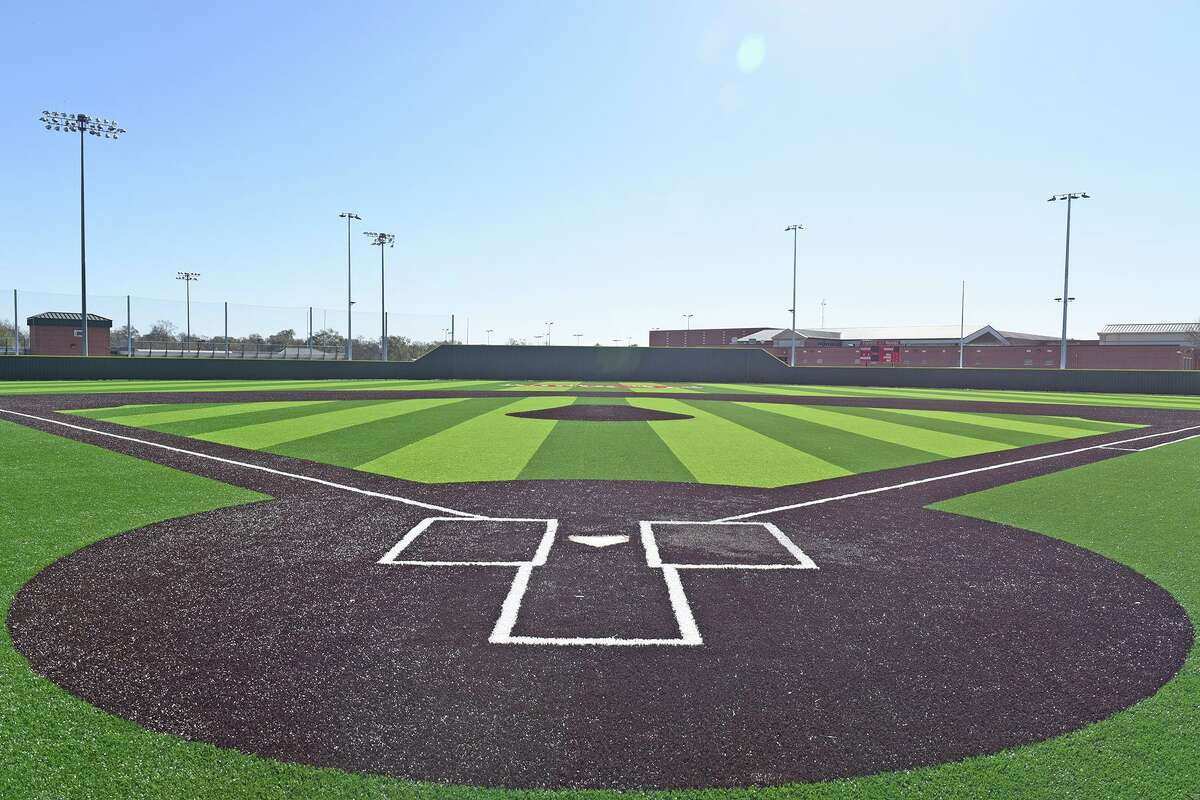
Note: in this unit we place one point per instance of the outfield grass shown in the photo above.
(1139, 509)
(475, 439)
(980, 395)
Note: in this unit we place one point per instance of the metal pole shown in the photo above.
(16, 326)
(795, 236)
(349, 301)
(129, 325)
(310, 332)
(1066, 297)
(226, 329)
(187, 285)
(82, 249)
(383, 308)
(962, 322)
(451, 329)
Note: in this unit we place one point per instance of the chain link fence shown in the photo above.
(143, 327)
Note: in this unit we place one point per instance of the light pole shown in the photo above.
(795, 229)
(578, 339)
(81, 124)
(1066, 298)
(549, 325)
(688, 329)
(187, 278)
(348, 216)
(489, 335)
(382, 241)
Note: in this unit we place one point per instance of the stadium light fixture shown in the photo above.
(101, 128)
(349, 216)
(549, 325)
(188, 278)
(489, 335)
(1062, 347)
(688, 329)
(382, 241)
(795, 229)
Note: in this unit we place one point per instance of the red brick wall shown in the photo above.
(60, 340)
(1079, 356)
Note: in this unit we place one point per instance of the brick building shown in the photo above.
(60, 333)
(1132, 346)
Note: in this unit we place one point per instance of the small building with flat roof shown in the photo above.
(60, 333)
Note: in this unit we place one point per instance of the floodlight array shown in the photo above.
(76, 123)
(381, 239)
(1068, 196)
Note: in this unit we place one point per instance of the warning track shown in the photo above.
(869, 634)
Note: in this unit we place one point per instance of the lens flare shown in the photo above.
(750, 53)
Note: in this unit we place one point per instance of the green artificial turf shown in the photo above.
(475, 439)
(678, 387)
(1140, 509)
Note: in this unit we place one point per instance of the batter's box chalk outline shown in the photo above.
(539, 557)
(654, 559)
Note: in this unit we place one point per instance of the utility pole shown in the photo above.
(81, 124)
(187, 278)
(1066, 298)
(795, 229)
(348, 216)
(382, 241)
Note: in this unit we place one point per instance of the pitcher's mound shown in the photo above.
(600, 413)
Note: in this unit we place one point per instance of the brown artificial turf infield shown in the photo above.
(922, 638)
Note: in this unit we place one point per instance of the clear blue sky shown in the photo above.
(612, 165)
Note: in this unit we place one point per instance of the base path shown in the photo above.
(602, 634)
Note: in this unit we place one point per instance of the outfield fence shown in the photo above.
(145, 327)
(601, 364)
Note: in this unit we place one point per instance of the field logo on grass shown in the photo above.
(526, 544)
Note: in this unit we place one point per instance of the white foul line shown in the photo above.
(906, 484)
(247, 465)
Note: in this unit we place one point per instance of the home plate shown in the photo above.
(600, 540)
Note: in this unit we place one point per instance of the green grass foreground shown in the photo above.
(639, 387)
(1140, 509)
(446, 440)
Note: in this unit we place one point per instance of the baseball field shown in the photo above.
(489, 589)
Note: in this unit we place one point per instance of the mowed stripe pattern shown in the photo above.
(441, 440)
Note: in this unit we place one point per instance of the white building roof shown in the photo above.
(1152, 327)
(920, 333)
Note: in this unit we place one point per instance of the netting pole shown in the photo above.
(129, 326)
(16, 326)
(226, 329)
(310, 352)
(451, 329)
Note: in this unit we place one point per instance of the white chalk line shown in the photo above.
(247, 465)
(510, 609)
(1155, 446)
(961, 473)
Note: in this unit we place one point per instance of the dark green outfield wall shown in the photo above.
(696, 364)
